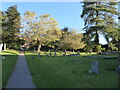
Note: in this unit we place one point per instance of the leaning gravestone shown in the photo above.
(94, 67)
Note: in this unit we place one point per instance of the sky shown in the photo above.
(67, 14)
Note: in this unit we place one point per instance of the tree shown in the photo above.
(27, 27)
(1, 44)
(98, 17)
(11, 26)
(1, 26)
(53, 34)
(71, 40)
(40, 30)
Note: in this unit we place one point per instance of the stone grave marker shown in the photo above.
(49, 50)
(65, 53)
(55, 54)
(50, 54)
(46, 54)
(2, 57)
(94, 67)
(78, 52)
(33, 57)
(118, 69)
(39, 54)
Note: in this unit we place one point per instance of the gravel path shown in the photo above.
(21, 77)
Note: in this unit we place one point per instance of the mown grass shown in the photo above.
(65, 72)
(8, 65)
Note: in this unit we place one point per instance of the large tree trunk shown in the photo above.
(96, 41)
(97, 38)
(39, 47)
(65, 52)
(4, 46)
(1, 46)
(97, 23)
(34, 49)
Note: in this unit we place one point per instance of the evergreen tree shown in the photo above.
(11, 26)
(99, 18)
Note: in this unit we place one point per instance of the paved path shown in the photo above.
(21, 77)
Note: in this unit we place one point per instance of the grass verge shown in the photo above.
(8, 64)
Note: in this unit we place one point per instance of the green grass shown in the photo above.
(65, 72)
(8, 65)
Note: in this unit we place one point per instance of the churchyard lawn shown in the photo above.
(71, 72)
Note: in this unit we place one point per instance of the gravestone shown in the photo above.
(78, 52)
(50, 54)
(55, 54)
(65, 53)
(118, 69)
(33, 57)
(39, 54)
(2, 57)
(94, 67)
(46, 54)
(49, 50)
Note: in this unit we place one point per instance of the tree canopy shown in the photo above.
(11, 26)
(99, 18)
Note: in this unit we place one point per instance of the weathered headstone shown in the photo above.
(2, 57)
(74, 54)
(33, 57)
(50, 54)
(69, 56)
(46, 54)
(49, 50)
(39, 54)
(78, 52)
(55, 54)
(118, 69)
(94, 67)
(65, 53)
